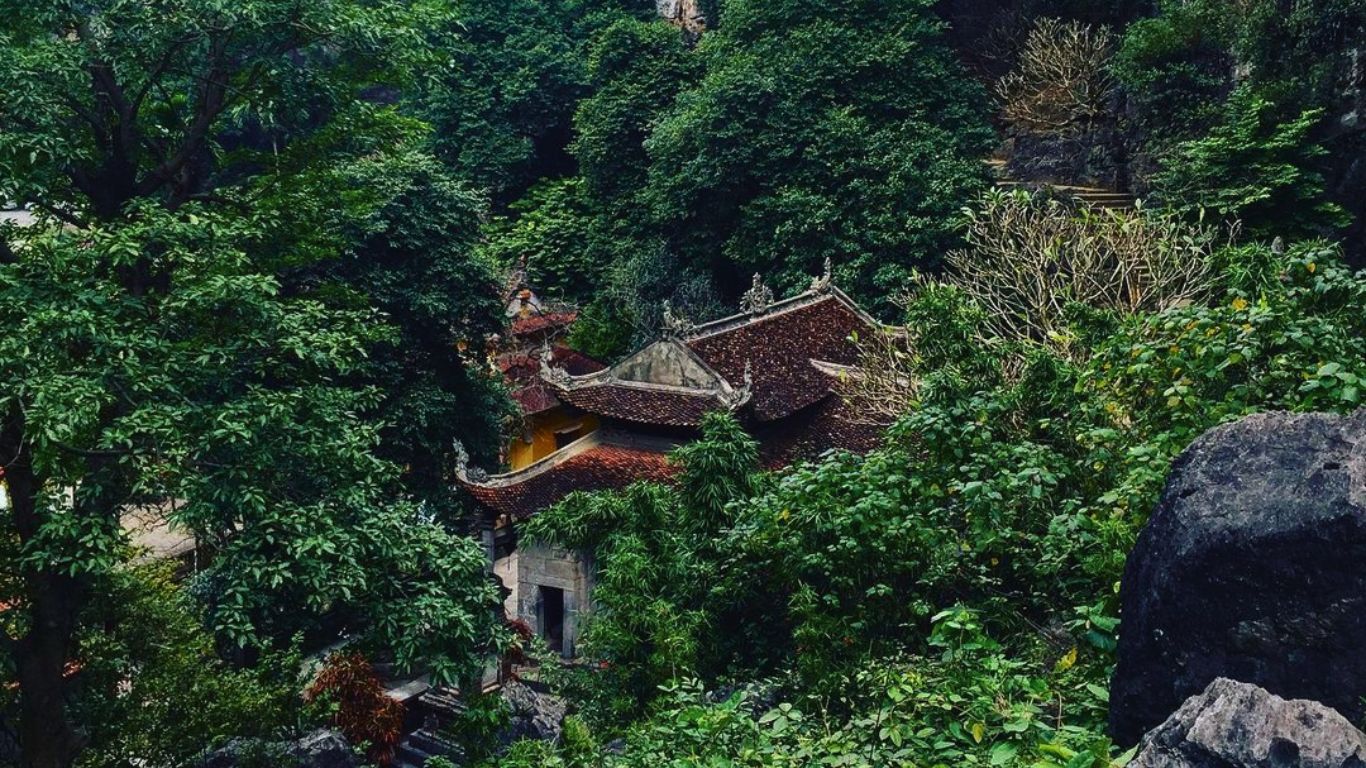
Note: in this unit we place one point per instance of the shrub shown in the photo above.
(1062, 81)
(1029, 258)
(1254, 168)
(348, 685)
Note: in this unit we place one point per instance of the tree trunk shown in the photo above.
(46, 737)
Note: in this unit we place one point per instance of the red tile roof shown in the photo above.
(824, 426)
(779, 348)
(796, 413)
(536, 323)
(643, 405)
(535, 398)
(523, 369)
(599, 467)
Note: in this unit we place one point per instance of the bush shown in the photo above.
(1029, 259)
(152, 687)
(1256, 169)
(348, 686)
(1062, 81)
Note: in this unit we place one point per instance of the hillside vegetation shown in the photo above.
(263, 246)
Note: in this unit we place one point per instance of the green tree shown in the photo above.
(152, 687)
(502, 102)
(846, 130)
(224, 400)
(653, 546)
(154, 357)
(637, 69)
(1251, 112)
(403, 238)
(1254, 170)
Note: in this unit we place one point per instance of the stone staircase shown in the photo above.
(1097, 198)
(438, 705)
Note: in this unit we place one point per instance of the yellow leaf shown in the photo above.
(978, 731)
(1311, 266)
(1068, 659)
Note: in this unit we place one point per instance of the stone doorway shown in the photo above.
(552, 618)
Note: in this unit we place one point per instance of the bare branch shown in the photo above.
(1062, 81)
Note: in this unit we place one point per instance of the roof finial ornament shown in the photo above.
(737, 397)
(822, 284)
(675, 325)
(463, 470)
(549, 371)
(758, 298)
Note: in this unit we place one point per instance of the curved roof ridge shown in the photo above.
(782, 306)
(609, 376)
(550, 461)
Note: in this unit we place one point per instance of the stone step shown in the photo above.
(421, 745)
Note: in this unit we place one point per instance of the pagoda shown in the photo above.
(774, 365)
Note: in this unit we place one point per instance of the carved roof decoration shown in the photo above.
(523, 370)
(758, 298)
(665, 383)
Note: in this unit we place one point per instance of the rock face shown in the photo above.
(1253, 567)
(1236, 725)
(685, 14)
(320, 749)
(535, 715)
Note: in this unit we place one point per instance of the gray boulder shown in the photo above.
(320, 749)
(534, 715)
(1236, 725)
(1252, 567)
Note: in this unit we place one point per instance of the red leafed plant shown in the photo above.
(364, 713)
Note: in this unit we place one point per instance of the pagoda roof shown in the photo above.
(778, 362)
(779, 348)
(595, 462)
(775, 359)
(543, 321)
(664, 406)
(532, 393)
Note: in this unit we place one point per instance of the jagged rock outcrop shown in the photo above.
(534, 715)
(1253, 567)
(687, 15)
(320, 749)
(1236, 725)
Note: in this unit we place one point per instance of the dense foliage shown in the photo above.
(161, 356)
(844, 131)
(269, 247)
(1251, 114)
(951, 597)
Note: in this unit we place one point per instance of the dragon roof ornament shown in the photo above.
(463, 470)
(758, 298)
(676, 325)
(822, 283)
(551, 372)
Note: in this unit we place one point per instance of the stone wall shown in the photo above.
(539, 567)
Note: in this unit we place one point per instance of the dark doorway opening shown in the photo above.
(552, 618)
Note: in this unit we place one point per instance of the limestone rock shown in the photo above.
(1253, 567)
(535, 715)
(685, 14)
(320, 749)
(1236, 725)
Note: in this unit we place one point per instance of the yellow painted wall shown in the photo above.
(541, 430)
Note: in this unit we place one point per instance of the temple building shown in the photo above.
(774, 366)
(535, 331)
